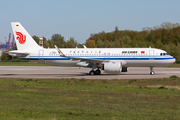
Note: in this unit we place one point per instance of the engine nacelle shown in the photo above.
(112, 67)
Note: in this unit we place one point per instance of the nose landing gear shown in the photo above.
(152, 71)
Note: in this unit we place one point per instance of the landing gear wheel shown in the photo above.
(152, 72)
(91, 72)
(98, 72)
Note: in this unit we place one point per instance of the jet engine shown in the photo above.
(114, 67)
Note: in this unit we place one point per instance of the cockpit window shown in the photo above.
(163, 54)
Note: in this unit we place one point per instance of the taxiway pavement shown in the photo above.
(75, 72)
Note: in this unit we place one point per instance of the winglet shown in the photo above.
(59, 51)
(84, 46)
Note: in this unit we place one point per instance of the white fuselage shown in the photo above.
(130, 57)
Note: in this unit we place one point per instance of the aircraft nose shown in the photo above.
(172, 60)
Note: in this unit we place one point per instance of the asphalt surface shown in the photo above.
(75, 72)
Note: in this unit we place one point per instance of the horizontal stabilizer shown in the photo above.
(18, 53)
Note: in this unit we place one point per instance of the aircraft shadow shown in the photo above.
(69, 75)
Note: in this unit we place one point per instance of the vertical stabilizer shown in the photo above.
(22, 38)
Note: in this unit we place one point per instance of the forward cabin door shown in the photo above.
(151, 54)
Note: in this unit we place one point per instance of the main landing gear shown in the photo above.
(97, 72)
(152, 71)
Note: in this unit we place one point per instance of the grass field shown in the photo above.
(79, 99)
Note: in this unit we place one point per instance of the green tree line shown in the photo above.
(165, 36)
(58, 40)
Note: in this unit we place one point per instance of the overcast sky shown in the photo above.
(80, 18)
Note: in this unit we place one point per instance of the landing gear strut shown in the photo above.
(97, 72)
(152, 71)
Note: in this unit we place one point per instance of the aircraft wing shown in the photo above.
(88, 60)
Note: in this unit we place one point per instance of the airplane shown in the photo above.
(111, 60)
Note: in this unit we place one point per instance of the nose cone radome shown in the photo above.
(171, 61)
(174, 60)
